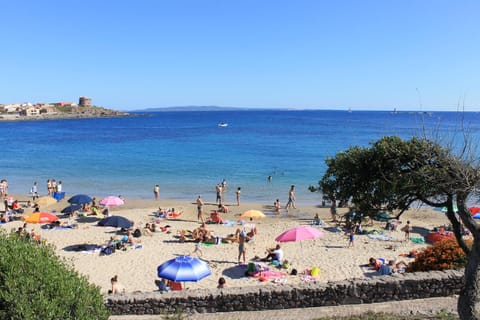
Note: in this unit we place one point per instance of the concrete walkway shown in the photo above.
(423, 307)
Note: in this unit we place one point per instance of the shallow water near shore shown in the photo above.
(187, 153)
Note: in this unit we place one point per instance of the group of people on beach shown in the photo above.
(52, 187)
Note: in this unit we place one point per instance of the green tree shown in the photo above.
(393, 173)
(36, 284)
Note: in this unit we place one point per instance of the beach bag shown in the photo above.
(315, 272)
(107, 251)
(251, 268)
(137, 233)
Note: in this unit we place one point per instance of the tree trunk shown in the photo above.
(469, 301)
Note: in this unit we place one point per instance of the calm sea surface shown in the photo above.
(187, 154)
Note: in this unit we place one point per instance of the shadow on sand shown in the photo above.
(235, 272)
(80, 247)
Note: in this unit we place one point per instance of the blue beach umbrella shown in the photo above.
(184, 268)
(80, 199)
(72, 208)
(115, 221)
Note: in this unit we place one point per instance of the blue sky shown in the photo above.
(126, 55)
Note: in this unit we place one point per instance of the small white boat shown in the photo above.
(223, 124)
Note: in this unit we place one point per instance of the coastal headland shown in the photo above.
(56, 110)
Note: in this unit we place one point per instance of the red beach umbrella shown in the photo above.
(474, 210)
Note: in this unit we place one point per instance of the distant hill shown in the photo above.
(194, 108)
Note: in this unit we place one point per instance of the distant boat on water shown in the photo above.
(223, 124)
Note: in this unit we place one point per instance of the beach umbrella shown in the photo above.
(474, 210)
(184, 268)
(112, 201)
(254, 214)
(80, 199)
(41, 217)
(45, 201)
(115, 221)
(299, 234)
(71, 208)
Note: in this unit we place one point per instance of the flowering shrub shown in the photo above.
(443, 255)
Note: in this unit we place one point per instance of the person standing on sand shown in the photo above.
(407, 229)
(238, 196)
(49, 187)
(34, 191)
(156, 191)
(333, 210)
(218, 190)
(291, 198)
(242, 236)
(200, 209)
(351, 236)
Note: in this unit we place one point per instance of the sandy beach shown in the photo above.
(137, 267)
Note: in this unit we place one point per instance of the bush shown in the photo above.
(443, 255)
(36, 284)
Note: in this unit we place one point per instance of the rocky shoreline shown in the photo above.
(6, 117)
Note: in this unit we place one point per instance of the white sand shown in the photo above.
(137, 269)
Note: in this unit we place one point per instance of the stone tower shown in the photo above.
(85, 102)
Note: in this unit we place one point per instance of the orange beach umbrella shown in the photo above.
(254, 214)
(41, 217)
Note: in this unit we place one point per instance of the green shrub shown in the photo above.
(36, 284)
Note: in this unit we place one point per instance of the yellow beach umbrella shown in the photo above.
(254, 214)
(45, 201)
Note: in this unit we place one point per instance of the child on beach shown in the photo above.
(407, 229)
(117, 288)
(198, 250)
(277, 206)
(351, 236)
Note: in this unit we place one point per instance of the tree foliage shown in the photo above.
(392, 174)
(382, 176)
(36, 284)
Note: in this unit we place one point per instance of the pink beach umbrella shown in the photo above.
(298, 234)
(111, 201)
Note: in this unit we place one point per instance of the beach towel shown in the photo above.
(308, 278)
(268, 274)
(382, 237)
(417, 240)
(229, 223)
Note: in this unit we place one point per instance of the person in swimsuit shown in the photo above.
(241, 246)
(156, 191)
(200, 209)
(238, 195)
(291, 198)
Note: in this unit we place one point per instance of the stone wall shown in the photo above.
(406, 286)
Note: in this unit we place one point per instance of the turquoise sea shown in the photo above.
(187, 153)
